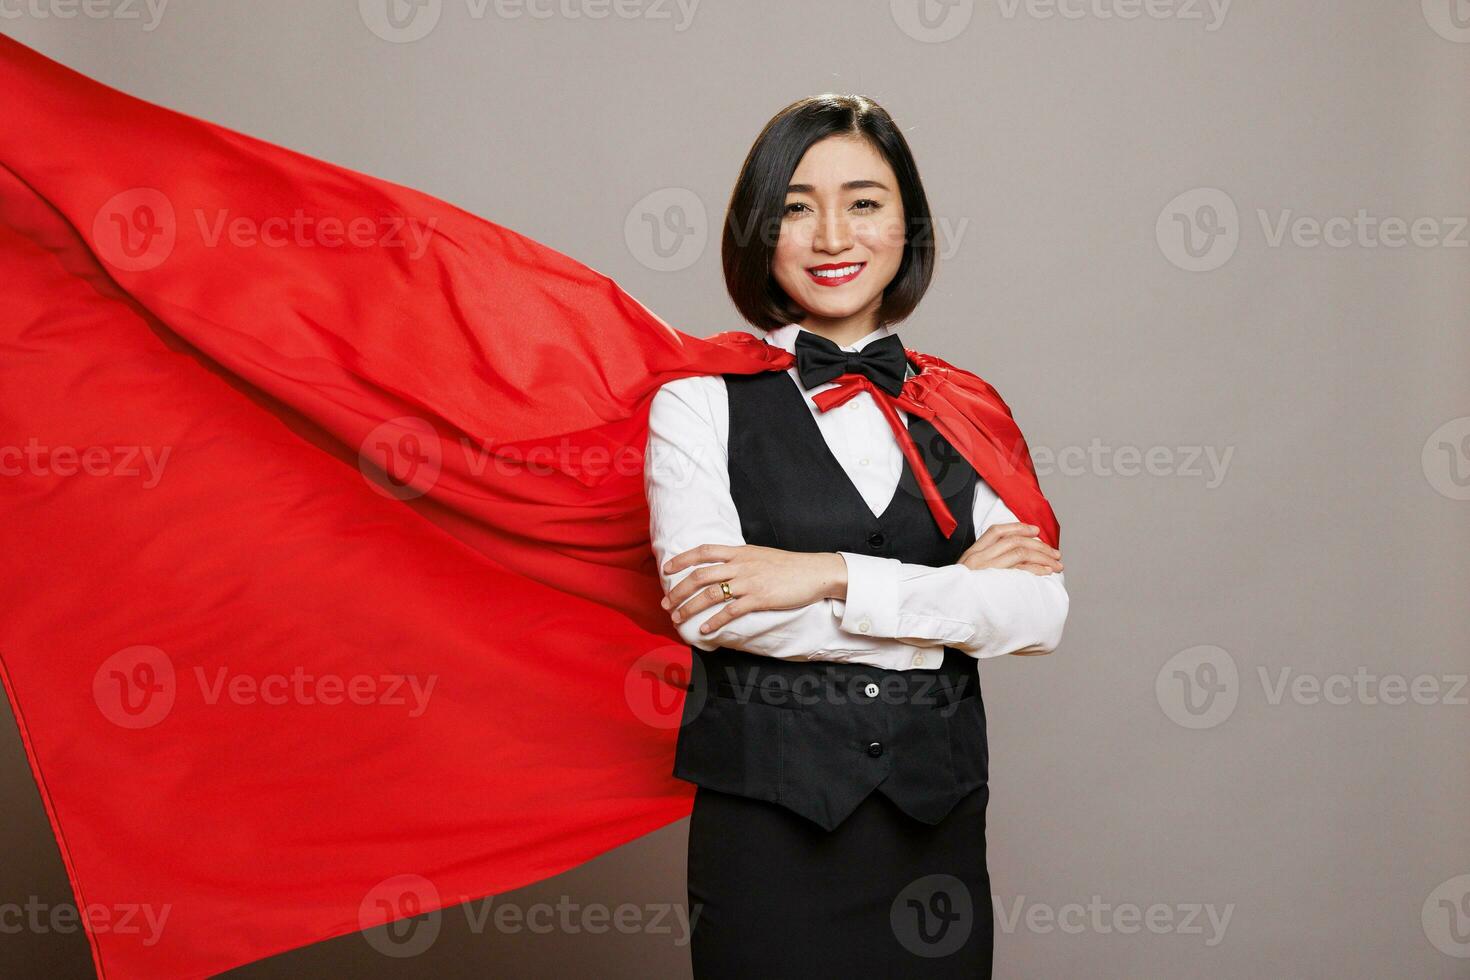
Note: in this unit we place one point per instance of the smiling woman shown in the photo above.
(833, 571)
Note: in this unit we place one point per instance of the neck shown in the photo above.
(842, 331)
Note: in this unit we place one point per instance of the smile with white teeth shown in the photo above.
(846, 270)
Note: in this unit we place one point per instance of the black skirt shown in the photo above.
(774, 895)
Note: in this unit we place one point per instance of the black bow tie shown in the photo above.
(819, 360)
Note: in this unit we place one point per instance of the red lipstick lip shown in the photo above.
(828, 267)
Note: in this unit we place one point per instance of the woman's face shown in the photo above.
(842, 233)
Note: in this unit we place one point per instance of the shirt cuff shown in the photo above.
(871, 606)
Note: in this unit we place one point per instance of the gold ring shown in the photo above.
(725, 588)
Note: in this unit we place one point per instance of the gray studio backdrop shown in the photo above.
(1213, 255)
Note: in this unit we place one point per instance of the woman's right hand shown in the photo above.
(1012, 546)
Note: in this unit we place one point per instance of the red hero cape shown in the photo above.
(327, 595)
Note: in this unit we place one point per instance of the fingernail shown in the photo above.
(664, 602)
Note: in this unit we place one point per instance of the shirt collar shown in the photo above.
(785, 337)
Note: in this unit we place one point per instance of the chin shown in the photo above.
(837, 310)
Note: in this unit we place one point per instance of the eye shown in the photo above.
(791, 208)
(872, 205)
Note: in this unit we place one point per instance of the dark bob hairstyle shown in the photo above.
(753, 219)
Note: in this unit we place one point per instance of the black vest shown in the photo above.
(819, 736)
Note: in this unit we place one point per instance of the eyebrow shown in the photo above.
(851, 185)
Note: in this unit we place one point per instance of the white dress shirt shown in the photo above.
(897, 614)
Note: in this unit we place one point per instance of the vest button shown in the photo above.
(871, 690)
(875, 538)
(875, 749)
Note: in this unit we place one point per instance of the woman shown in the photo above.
(835, 728)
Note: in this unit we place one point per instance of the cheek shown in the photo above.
(789, 262)
(794, 242)
(884, 239)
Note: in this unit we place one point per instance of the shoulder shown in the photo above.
(691, 388)
(693, 399)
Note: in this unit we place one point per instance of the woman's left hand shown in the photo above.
(759, 577)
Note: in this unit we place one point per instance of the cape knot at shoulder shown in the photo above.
(936, 373)
(751, 345)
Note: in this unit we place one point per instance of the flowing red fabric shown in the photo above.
(327, 597)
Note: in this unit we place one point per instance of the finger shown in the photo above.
(1000, 533)
(997, 531)
(693, 582)
(1035, 552)
(719, 571)
(708, 596)
(1013, 558)
(1022, 552)
(732, 610)
(699, 555)
(1038, 544)
(1036, 569)
(1005, 544)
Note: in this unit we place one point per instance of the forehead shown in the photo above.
(830, 162)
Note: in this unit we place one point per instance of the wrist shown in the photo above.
(834, 576)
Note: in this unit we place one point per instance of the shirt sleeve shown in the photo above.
(687, 481)
(985, 612)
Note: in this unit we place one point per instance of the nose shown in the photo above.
(833, 233)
